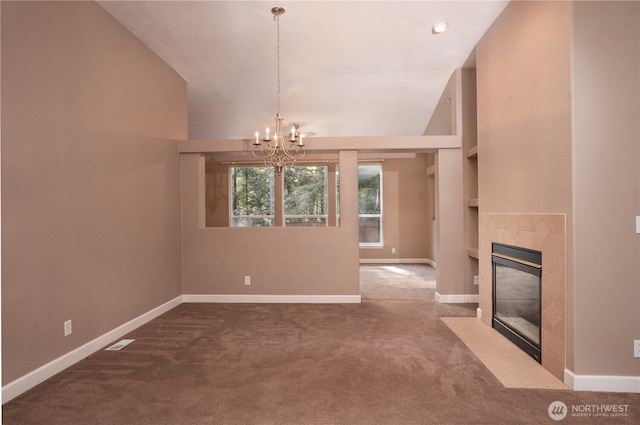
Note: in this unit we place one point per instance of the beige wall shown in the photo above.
(280, 260)
(560, 140)
(469, 176)
(456, 227)
(432, 248)
(524, 135)
(216, 192)
(441, 122)
(450, 230)
(606, 149)
(90, 179)
(405, 210)
(524, 109)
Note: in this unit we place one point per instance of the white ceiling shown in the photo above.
(348, 68)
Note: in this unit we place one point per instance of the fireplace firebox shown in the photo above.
(517, 295)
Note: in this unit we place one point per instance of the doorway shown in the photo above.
(397, 282)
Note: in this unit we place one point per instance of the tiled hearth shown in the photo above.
(541, 232)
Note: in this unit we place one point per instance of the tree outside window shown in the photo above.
(370, 204)
(305, 196)
(252, 197)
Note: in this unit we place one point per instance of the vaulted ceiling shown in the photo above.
(347, 68)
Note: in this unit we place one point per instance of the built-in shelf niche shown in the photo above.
(473, 203)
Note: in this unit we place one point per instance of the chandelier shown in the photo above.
(277, 149)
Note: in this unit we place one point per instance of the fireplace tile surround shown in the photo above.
(541, 232)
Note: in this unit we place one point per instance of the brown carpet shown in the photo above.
(397, 282)
(370, 363)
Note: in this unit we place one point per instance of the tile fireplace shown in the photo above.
(545, 233)
(517, 295)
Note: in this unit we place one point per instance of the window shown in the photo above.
(252, 197)
(305, 196)
(257, 197)
(302, 195)
(370, 204)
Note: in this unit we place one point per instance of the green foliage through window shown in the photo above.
(370, 204)
(252, 203)
(305, 195)
(369, 199)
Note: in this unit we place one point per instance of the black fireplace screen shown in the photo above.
(517, 278)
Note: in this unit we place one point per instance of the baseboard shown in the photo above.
(278, 299)
(397, 261)
(615, 384)
(33, 378)
(457, 298)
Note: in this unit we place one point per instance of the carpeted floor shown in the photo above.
(397, 282)
(378, 362)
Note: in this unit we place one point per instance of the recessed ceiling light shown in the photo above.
(439, 28)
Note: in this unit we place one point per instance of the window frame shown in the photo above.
(272, 196)
(364, 245)
(380, 215)
(278, 196)
(285, 216)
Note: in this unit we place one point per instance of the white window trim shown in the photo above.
(376, 245)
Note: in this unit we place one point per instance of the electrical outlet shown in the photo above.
(247, 280)
(67, 328)
(476, 280)
(393, 250)
(636, 348)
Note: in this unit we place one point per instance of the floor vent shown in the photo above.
(120, 345)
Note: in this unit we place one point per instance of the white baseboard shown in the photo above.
(616, 384)
(397, 261)
(33, 378)
(281, 299)
(457, 298)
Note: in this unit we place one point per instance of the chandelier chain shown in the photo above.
(278, 149)
(278, 56)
